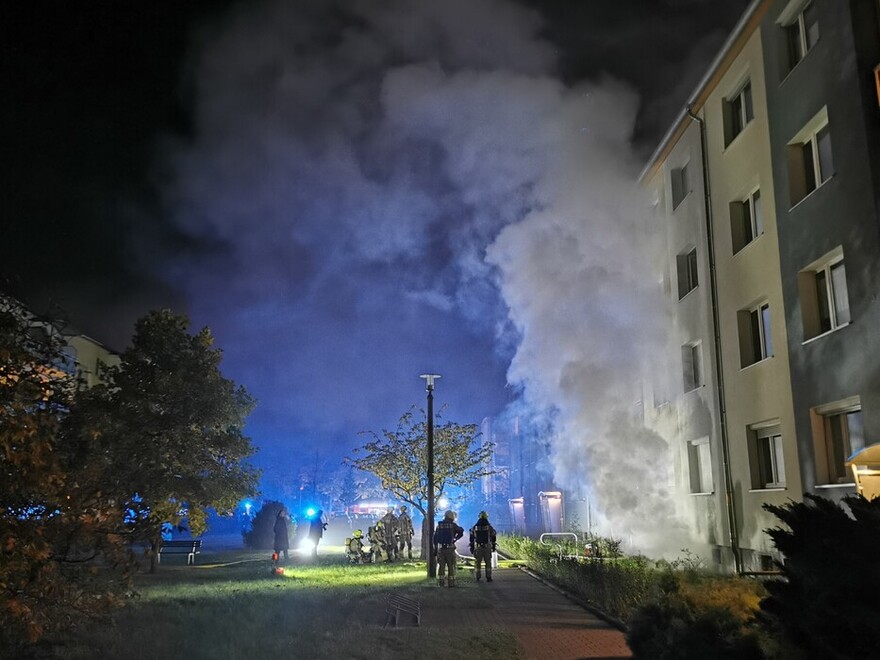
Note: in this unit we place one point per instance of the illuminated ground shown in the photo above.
(232, 605)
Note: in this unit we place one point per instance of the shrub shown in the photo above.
(698, 616)
(261, 535)
(616, 586)
(826, 602)
(673, 609)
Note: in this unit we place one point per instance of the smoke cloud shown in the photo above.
(395, 186)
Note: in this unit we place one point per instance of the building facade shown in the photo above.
(766, 194)
(821, 59)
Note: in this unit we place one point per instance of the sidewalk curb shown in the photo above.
(592, 609)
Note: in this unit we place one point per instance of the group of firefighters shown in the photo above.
(392, 534)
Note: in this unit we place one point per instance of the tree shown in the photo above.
(826, 601)
(169, 429)
(60, 556)
(261, 535)
(399, 458)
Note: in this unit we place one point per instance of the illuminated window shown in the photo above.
(755, 335)
(746, 220)
(737, 112)
(801, 27)
(766, 456)
(810, 163)
(839, 432)
(686, 265)
(700, 466)
(692, 366)
(680, 185)
(823, 295)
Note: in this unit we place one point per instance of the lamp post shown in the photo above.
(432, 560)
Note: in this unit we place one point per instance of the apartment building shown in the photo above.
(89, 358)
(769, 213)
(83, 357)
(821, 62)
(681, 402)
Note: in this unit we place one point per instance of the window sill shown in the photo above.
(848, 484)
(811, 193)
(706, 494)
(798, 63)
(748, 245)
(769, 489)
(681, 201)
(749, 366)
(825, 334)
(733, 140)
(689, 293)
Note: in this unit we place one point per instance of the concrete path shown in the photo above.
(547, 624)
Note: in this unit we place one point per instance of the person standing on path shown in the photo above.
(405, 526)
(316, 531)
(482, 544)
(282, 540)
(445, 536)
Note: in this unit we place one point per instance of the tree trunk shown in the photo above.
(425, 538)
(155, 545)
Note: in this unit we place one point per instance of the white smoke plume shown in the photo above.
(372, 188)
(580, 279)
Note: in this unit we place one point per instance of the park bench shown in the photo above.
(191, 548)
(395, 604)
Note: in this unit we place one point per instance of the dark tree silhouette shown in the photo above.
(826, 603)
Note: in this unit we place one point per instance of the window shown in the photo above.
(801, 28)
(746, 220)
(692, 366)
(700, 466)
(737, 112)
(755, 336)
(840, 432)
(766, 457)
(823, 295)
(809, 158)
(680, 185)
(686, 265)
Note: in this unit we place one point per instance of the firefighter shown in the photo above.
(389, 522)
(354, 548)
(482, 544)
(376, 537)
(405, 527)
(445, 536)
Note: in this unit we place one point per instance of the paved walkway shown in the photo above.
(547, 624)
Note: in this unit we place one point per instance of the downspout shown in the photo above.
(716, 330)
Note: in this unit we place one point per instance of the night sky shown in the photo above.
(350, 193)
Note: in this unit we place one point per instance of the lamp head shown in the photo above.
(430, 378)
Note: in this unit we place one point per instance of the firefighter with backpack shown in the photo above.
(482, 545)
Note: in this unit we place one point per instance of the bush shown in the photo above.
(673, 609)
(698, 616)
(615, 585)
(261, 535)
(826, 602)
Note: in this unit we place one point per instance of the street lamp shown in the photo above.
(429, 386)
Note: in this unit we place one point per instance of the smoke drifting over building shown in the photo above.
(424, 167)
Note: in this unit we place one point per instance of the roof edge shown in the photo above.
(697, 98)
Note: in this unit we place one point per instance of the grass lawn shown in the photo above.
(232, 606)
